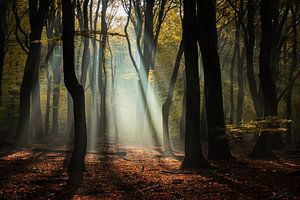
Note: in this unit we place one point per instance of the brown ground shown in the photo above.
(129, 172)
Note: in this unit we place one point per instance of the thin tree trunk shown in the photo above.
(240, 103)
(249, 45)
(290, 78)
(166, 105)
(76, 90)
(56, 90)
(240, 63)
(86, 45)
(233, 60)
(102, 79)
(47, 117)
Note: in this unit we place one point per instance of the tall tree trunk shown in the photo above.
(240, 65)
(277, 141)
(86, 45)
(166, 105)
(102, 79)
(240, 103)
(254, 87)
(263, 146)
(47, 117)
(37, 15)
(233, 61)
(290, 78)
(76, 90)
(193, 149)
(148, 36)
(56, 68)
(207, 38)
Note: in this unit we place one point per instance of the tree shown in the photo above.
(76, 90)
(166, 105)
(149, 38)
(291, 76)
(102, 85)
(263, 146)
(37, 15)
(207, 38)
(86, 44)
(240, 64)
(254, 86)
(193, 149)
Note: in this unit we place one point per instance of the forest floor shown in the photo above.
(132, 172)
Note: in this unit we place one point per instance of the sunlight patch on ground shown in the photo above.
(21, 155)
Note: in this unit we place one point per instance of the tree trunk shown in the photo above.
(249, 45)
(76, 90)
(263, 146)
(234, 55)
(37, 15)
(47, 118)
(25, 91)
(56, 89)
(193, 149)
(290, 78)
(86, 45)
(207, 38)
(240, 65)
(102, 79)
(240, 103)
(166, 105)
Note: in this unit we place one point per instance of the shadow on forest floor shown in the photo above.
(130, 172)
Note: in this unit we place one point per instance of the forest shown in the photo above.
(144, 99)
